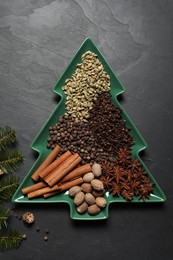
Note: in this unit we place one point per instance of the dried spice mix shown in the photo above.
(93, 128)
(99, 138)
(82, 88)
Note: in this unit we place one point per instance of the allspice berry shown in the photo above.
(45, 238)
(37, 229)
(24, 236)
(47, 231)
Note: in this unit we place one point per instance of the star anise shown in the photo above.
(126, 178)
(134, 165)
(139, 174)
(145, 190)
(119, 174)
(123, 156)
(127, 195)
(107, 181)
(126, 185)
(135, 185)
(129, 175)
(107, 168)
(115, 189)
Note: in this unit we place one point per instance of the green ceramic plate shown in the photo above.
(39, 143)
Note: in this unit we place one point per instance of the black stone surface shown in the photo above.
(37, 41)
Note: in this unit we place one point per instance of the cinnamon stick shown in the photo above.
(63, 187)
(69, 184)
(46, 162)
(81, 170)
(51, 194)
(45, 172)
(56, 187)
(34, 187)
(42, 191)
(63, 169)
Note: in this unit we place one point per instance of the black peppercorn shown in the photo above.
(37, 229)
(24, 236)
(47, 231)
(45, 238)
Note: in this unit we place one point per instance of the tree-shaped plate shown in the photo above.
(40, 141)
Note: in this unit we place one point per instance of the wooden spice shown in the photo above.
(64, 187)
(54, 164)
(34, 187)
(81, 170)
(40, 192)
(46, 162)
(64, 168)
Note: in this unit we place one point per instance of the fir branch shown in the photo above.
(7, 136)
(10, 240)
(8, 185)
(4, 215)
(10, 160)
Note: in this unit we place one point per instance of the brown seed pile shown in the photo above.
(82, 88)
(73, 136)
(107, 125)
(97, 140)
(89, 196)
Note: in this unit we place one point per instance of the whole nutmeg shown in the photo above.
(97, 193)
(101, 202)
(88, 177)
(90, 199)
(96, 169)
(86, 187)
(93, 209)
(82, 208)
(28, 218)
(97, 185)
(79, 198)
(74, 190)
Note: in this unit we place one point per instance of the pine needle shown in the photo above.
(4, 215)
(7, 136)
(10, 240)
(10, 160)
(8, 185)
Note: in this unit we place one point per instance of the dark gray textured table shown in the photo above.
(37, 41)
